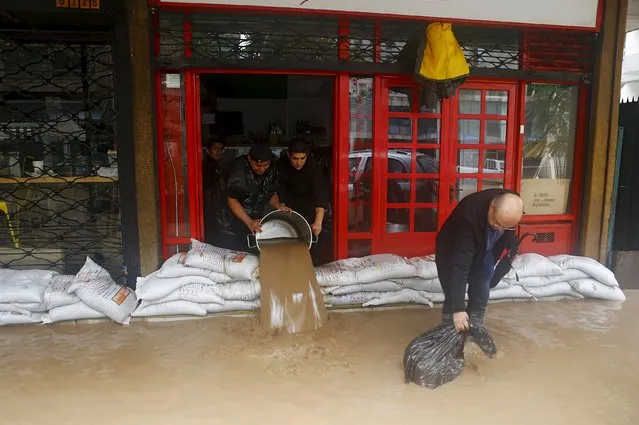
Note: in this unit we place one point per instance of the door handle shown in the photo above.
(451, 196)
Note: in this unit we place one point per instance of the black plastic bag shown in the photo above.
(437, 356)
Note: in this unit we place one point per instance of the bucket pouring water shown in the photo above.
(279, 226)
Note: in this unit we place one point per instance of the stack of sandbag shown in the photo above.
(206, 279)
(22, 295)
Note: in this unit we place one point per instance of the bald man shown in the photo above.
(470, 243)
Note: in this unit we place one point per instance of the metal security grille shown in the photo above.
(59, 197)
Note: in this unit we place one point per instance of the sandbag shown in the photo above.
(587, 265)
(337, 273)
(425, 266)
(22, 308)
(592, 288)
(403, 296)
(383, 286)
(77, 311)
(56, 293)
(196, 293)
(13, 318)
(238, 291)
(233, 306)
(173, 308)
(241, 266)
(357, 298)
(420, 284)
(205, 256)
(529, 265)
(24, 286)
(175, 267)
(437, 356)
(153, 288)
(383, 267)
(560, 289)
(97, 289)
(565, 276)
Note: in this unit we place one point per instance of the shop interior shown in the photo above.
(246, 109)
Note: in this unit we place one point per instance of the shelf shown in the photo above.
(57, 180)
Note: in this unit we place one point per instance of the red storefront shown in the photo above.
(397, 161)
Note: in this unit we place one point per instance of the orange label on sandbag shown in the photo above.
(239, 257)
(121, 296)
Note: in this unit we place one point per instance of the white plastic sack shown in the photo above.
(241, 266)
(22, 308)
(403, 296)
(173, 308)
(175, 267)
(434, 297)
(420, 284)
(337, 273)
(24, 286)
(383, 267)
(587, 265)
(153, 288)
(561, 289)
(77, 311)
(533, 265)
(357, 298)
(95, 287)
(565, 276)
(196, 293)
(238, 291)
(426, 267)
(7, 318)
(383, 286)
(233, 306)
(592, 288)
(56, 294)
(205, 256)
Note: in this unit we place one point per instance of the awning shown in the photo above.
(630, 92)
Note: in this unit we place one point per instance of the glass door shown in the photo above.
(483, 135)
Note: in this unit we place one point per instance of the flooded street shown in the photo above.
(565, 362)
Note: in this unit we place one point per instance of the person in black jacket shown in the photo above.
(469, 244)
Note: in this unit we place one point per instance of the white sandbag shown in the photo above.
(97, 289)
(153, 288)
(9, 318)
(233, 306)
(196, 293)
(420, 284)
(529, 265)
(239, 291)
(22, 308)
(587, 265)
(77, 311)
(403, 296)
(175, 267)
(205, 256)
(383, 286)
(56, 293)
(24, 286)
(434, 297)
(592, 288)
(426, 267)
(241, 266)
(383, 267)
(565, 276)
(173, 308)
(561, 289)
(337, 273)
(357, 298)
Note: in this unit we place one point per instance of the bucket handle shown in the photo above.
(314, 238)
(248, 241)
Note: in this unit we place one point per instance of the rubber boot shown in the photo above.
(477, 317)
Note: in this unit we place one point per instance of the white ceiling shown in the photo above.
(632, 22)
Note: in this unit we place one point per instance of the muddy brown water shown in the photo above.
(564, 362)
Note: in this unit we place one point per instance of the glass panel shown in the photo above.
(428, 103)
(360, 154)
(428, 130)
(397, 220)
(468, 161)
(399, 130)
(469, 131)
(549, 148)
(175, 249)
(497, 102)
(495, 132)
(398, 191)
(426, 190)
(400, 99)
(494, 161)
(465, 187)
(399, 162)
(470, 101)
(175, 156)
(359, 248)
(428, 161)
(492, 183)
(426, 220)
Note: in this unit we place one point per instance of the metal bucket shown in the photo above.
(278, 226)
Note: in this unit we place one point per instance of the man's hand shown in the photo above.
(316, 228)
(460, 320)
(255, 227)
(284, 208)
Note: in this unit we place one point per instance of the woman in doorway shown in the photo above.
(303, 188)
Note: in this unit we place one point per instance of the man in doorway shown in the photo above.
(252, 192)
(470, 243)
(216, 213)
(303, 188)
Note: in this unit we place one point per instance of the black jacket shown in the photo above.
(461, 246)
(251, 190)
(302, 190)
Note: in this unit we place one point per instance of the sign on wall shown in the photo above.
(567, 13)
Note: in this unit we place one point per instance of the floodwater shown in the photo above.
(564, 362)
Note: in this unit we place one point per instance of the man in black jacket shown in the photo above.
(470, 243)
